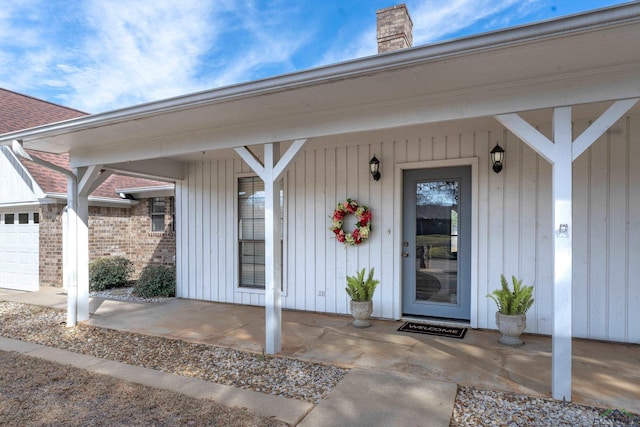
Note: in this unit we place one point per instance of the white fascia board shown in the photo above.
(93, 201)
(161, 169)
(10, 206)
(562, 27)
(146, 192)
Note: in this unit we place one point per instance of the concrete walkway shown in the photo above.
(396, 379)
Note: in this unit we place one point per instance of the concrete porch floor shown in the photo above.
(604, 374)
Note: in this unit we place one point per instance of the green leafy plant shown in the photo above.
(360, 289)
(516, 301)
(109, 272)
(156, 281)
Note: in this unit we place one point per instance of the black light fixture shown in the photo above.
(374, 168)
(497, 158)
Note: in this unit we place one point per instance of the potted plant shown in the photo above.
(513, 304)
(360, 290)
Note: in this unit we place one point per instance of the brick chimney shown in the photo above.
(395, 29)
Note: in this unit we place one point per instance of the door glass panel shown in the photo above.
(437, 241)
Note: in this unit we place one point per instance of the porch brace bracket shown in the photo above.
(271, 171)
(561, 152)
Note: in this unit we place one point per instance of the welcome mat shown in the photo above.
(425, 328)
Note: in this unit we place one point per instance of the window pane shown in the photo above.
(157, 223)
(157, 208)
(8, 218)
(157, 205)
(252, 265)
(23, 218)
(251, 231)
(36, 218)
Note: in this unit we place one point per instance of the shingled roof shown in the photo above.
(18, 111)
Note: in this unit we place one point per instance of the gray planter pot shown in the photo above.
(511, 327)
(361, 312)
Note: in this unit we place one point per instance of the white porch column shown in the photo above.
(560, 153)
(82, 256)
(69, 248)
(89, 178)
(273, 254)
(271, 172)
(562, 245)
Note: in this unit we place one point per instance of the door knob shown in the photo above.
(404, 254)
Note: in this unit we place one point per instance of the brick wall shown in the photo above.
(112, 231)
(50, 256)
(148, 247)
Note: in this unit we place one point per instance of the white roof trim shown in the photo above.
(154, 191)
(93, 201)
(6, 206)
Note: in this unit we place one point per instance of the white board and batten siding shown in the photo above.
(514, 230)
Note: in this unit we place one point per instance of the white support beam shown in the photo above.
(288, 157)
(562, 183)
(271, 172)
(161, 169)
(69, 248)
(561, 153)
(252, 160)
(91, 179)
(273, 257)
(601, 125)
(527, 133)
(82, 247)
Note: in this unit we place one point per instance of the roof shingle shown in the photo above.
(19, 111)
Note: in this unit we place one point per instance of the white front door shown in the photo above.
(19, 250)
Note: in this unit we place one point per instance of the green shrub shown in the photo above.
(110, 272)
(156, 281)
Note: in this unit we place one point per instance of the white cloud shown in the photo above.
(269, 37)
(98, 55)
(433, 20)
(121, 52)
(351, 47)
(138, 51)
(436, 19)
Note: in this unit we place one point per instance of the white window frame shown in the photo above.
(153, 214)
(236, 237)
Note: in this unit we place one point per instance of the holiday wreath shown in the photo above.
(363, 226)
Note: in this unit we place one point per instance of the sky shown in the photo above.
(102, 55)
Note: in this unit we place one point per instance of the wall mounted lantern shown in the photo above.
(374, 168)
(497, 158)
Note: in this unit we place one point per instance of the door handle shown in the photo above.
(404, 254)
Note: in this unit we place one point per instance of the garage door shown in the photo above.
(19, 250)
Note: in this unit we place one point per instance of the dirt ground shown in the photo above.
(35, 392)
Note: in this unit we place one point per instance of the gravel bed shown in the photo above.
(478, 407)
(279, 376)
(125, 294)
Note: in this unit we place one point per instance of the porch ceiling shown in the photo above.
(581, 59)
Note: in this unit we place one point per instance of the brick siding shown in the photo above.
(112, 231)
